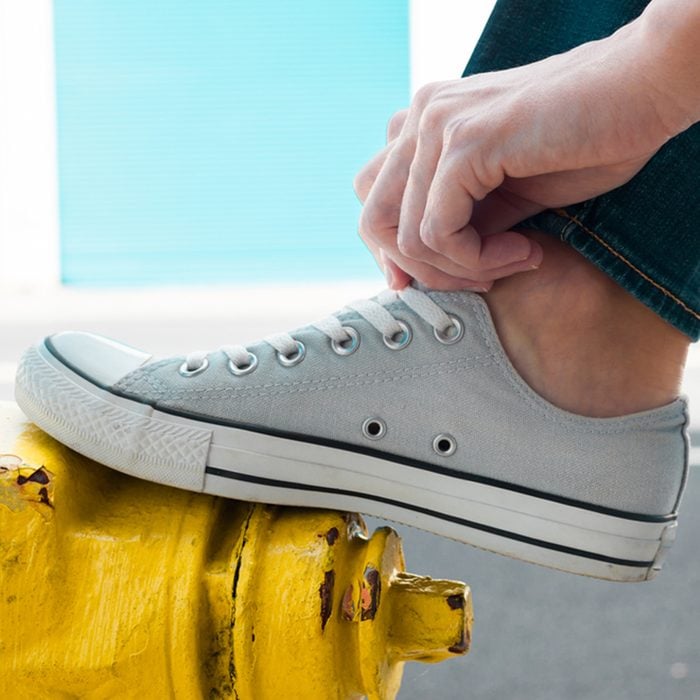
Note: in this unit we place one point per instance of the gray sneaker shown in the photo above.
(404, 407)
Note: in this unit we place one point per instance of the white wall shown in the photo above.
(28, 201)
(443, 35)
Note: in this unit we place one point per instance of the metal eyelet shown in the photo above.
(246, 369)
(374, 428)
(192, 372)
(444, 445)
(399, 340)
(348, 346)
(452, 334)
(295, 359)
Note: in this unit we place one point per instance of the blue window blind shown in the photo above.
(217, 140)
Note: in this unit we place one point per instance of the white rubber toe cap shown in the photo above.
(99, 359)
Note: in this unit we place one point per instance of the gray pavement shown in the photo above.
(544, 635)
(539, 634)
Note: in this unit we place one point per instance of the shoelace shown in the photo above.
(344, 339)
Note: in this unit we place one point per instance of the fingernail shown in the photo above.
(472, 286)
(536, 255)
(522, 257)
(523, 252)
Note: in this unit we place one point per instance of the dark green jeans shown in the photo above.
(645, 234)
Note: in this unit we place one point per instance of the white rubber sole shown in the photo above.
(247, 464)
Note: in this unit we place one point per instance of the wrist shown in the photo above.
(668, 59)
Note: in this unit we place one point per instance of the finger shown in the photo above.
(399, 271)
(395, 125)
(380, 233)
(420, 177)
(380, 215)
(427, 274)
(365, 178)
(436, 277)
(532, 262)
(501, 211)
(409, 242)
(396, 278)
(379, 225)
(422, 174)
(403, 270)
(446, 227)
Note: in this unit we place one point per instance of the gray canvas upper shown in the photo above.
(503, 429)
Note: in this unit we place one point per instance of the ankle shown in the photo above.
(581, 341)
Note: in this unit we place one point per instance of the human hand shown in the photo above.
(472, 157)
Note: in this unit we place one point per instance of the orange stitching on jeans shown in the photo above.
(564, 213)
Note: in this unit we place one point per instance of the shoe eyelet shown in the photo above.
(444, 445)
(295, 359)
(246, 369)
(193, 372)
(404, 337)
(349, 346)
(374, 428)
(452, 334)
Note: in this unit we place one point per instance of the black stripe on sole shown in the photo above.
(236, 476)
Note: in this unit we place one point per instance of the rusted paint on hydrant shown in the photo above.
(370, 592)
(114, 587)
(22, 484)
(326, 593)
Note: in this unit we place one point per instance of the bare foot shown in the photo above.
(581, 341)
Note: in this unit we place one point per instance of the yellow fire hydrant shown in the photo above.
(111, 587)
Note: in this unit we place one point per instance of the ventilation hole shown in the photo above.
(374, 428)
(444, 445)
